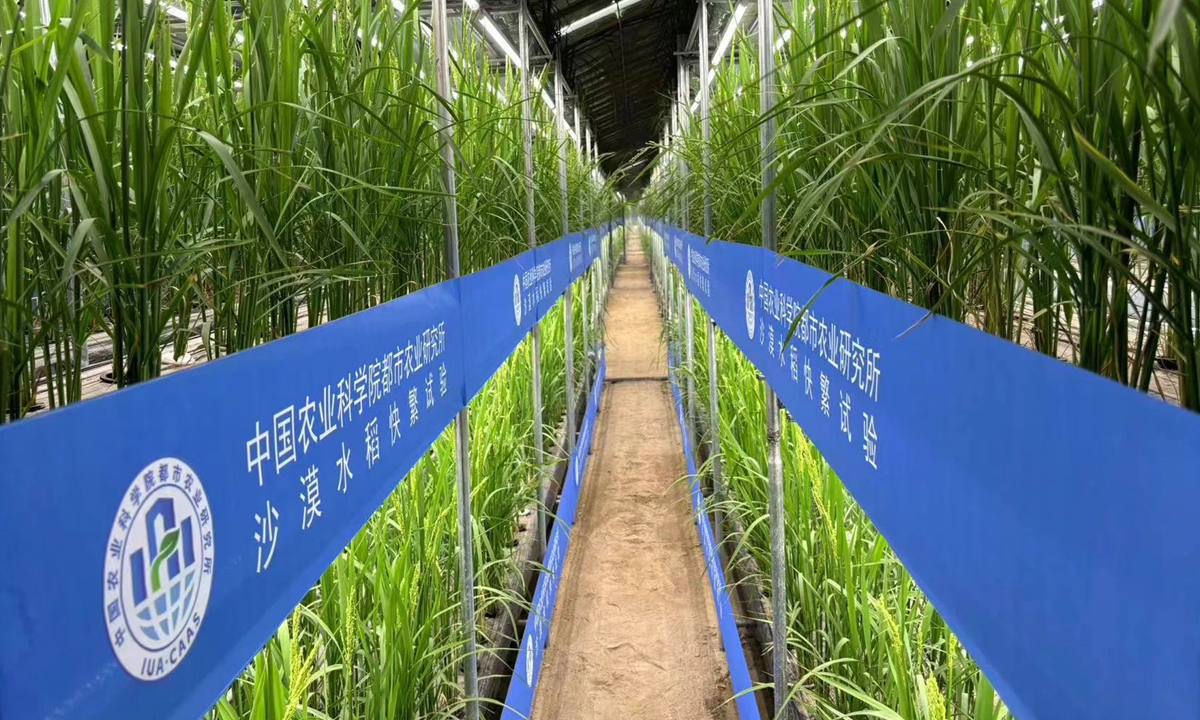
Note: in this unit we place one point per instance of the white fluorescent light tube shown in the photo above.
(598, 15)
(787, 35)
(176, 12)
(727, 36)
(499, 39)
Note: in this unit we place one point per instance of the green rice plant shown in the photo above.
(178, 172)
(172, 171)
(1028, 168)
(867, 640)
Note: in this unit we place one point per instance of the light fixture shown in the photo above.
(600, 14)
(176, 12)
(498, 37)
(727, 36)
(787, 35)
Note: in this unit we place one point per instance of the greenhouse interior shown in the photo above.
(611, 359)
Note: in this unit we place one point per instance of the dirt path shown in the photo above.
(634, 633)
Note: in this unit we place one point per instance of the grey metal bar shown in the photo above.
(587, 153)
(583, 280)
(560, 122)
(686, 295)
(539, 440)
(462, 428)
(684, 97)
(714, 418)
(705, 130)
(779, 590)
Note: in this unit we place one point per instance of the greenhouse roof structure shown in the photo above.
(620, 58)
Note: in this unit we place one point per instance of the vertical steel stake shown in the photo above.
(766, 65)
(462, 428)
(705, 131)
(684, 96)
(568, 299)
(539, 452)
(714, 418)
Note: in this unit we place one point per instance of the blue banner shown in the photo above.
(500, 305)
(522, 688)
(1047, 512)
(153, 539)
(735, 654)
(191, 514)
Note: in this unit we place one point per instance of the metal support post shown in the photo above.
(779, 590)
(689, 328)
(714, 418)
(560, 123)
(714, 437)
(684, 97)
(686, 295)
(705, 130)
(583, 279)
(462, 428)
(584, 291)
(539, 431)
(591, 176)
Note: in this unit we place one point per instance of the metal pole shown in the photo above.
(583, 279)
(591, 184)
(714, 418)
(705, 131)
(624, 237)
(766, 65)
(560, 122)
(539, 452)
(686, 295)
(684, 96)
(462, 428)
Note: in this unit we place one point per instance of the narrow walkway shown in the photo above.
(635, 633)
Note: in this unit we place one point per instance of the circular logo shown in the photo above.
(517, 298)
(750, 303)
(158, 569)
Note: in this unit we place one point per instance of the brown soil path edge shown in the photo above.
(634, 633)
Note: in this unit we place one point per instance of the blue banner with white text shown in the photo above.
(153, 539)
(1047, 512)
(499, 308)
(518, 704)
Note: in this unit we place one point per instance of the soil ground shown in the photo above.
(635, 633)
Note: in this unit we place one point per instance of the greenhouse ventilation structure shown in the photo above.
(609, 359)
